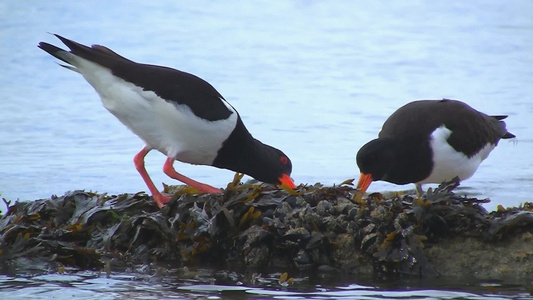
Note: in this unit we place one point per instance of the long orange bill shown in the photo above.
(286, 181)
(364, 182)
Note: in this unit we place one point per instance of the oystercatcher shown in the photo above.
(430, 141)
(176, 113)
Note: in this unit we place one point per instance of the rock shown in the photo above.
(257, 226)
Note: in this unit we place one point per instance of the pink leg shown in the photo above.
(168, 168)
(138, 160)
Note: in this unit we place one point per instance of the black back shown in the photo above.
(240, 152)
(471, 129)
(170, 84)
(402, 153)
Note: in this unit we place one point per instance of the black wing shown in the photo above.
(471, 129)
(170, 84)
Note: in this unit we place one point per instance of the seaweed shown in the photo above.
(255, 225)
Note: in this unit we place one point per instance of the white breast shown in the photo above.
(448, 163)
(173, 129)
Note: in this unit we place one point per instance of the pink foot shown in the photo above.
(207, 188)
(161, 200)
(168, 168)
(138, 160)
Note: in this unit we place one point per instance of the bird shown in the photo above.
(176, 113)
(430, 141)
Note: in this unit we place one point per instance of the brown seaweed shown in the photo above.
(256, 225)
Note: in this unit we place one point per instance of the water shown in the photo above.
(315, 79)
(92, 285)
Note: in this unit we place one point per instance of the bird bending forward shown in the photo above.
(430, 141)
(176, 113)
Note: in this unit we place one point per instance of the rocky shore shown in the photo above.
(253, 225)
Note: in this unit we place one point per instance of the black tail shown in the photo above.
(499, 117)
(96, 53)
(52, 50)
(91, 53)
(507, 134)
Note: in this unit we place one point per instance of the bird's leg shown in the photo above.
(419, 191)
(168, 168)
(138, 160)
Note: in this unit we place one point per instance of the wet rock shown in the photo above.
(302, 258)
(299, 235)
(257, 225)
(324, 208)
(258, 257)
(349, 256)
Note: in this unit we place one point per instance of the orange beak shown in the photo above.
(364, 182)
(286, 181)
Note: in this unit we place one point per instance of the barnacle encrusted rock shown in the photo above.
(255, 225)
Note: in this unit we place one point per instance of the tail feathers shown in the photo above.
(70, 68)
(500, 117)
(60, 54)
(96, 53)
(508, 135)
(54, 51)
(87, 52)
(501, 124)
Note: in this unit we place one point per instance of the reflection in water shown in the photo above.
(230, 285)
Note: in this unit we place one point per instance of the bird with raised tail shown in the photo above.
(176, 113)
(430, 141)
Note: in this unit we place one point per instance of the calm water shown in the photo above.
(91, 285)
(316, 79)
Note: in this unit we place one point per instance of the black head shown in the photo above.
(376, 158)
(273, 167)
(244, 154)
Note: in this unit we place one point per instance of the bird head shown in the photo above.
(374, 159)
(285, 180)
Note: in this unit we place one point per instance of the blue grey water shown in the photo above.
(314, 78)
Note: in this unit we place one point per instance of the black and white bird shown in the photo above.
(176, 113)
(430, 141)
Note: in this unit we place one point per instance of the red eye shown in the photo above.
(284, 160)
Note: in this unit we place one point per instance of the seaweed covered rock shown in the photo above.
(255, 225)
